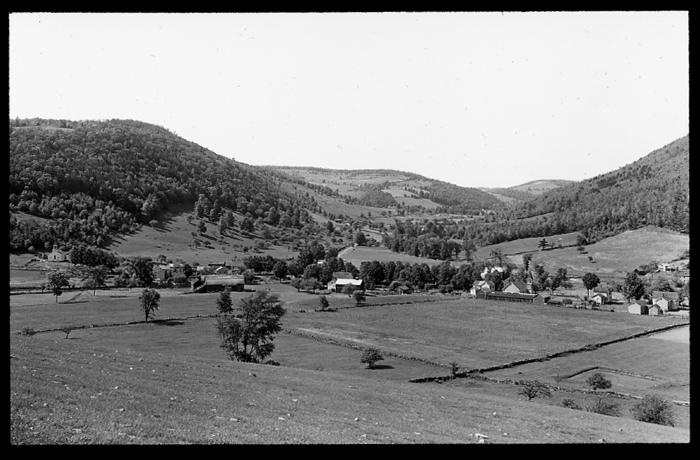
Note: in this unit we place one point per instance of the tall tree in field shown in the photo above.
(590, 281)
(634, 286)
(56, 281)
(249, 338)
(542, 244)
(223, 302)
(280, 269)
(150, 300)
(97, 276)
(142, 269)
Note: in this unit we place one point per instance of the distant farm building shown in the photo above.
(516, 286)
(655, 310)
(668, 301)
(56, 255)
(600, 298)
(640, 307)
(536, 299)
(337, 284)
(665, 267)
(217, 283)
(480, 286)
(684, 275)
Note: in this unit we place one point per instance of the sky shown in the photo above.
(476, 99)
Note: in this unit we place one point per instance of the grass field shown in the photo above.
(615, 256)
(73, 391)
(525, 245)
(360, 254)
(473, 333)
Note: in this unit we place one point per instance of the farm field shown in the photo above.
(360, 254)
(73, 391)
(27, 277)
(658, 363)
(173, 238)
(525, 245)
(473, 333)
(613, 257)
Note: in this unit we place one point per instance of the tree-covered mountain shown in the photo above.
(86, 180)
(653, 190)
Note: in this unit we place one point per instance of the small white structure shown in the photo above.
(668, 301)
(480, 286)
(57, 255)
(640, 307)
(338, 284)
(517, 287)
(600, 298)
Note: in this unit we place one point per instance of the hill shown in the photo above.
(93, 180)
(526, 191)
(653, 190)
(387, 188)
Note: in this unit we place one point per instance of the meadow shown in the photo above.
(523, 245)
(360, 254)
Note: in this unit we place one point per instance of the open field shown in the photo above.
(473, 333)
(72, 391)
(658, 364)
(360, 254)
(619, 254)
(172, 237)
(27, 277)
(525, 245)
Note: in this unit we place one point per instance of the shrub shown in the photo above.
(604, 407)
(371, 356)
(150, 299)
(532, 389)
(454, 369)
(598, 382)
(570, 404)
(223, 302)
(28, 331)
(567, 301)
(324, 302)
(359, 297)
(653, 409)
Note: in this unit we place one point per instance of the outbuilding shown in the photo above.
(655, 310)
(217, 283)
(640, 307)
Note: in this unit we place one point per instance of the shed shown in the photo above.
(640, 307)
(337, 285)
(655, 310)
(56, 255)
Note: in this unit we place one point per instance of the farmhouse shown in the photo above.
(665, 300)
(640, 307)
(481, 286)
(600, 298)
(56, 255)
(337, 284)
(665, 267)
(516, 286)
(216, 283)
(536, 299)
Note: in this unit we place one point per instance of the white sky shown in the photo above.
(476, 99)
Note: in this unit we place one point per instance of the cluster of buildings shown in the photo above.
(342, 279)
(513, 291)
(661, 303)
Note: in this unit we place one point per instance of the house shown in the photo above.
(655, 310)
(640, 307)
(536, 299)
(599, 298)
(337, 284)
(664, 267)
(481, 285)
(162, 272)
(668, 301)
(217, 283)
(516, 286)
(56, 255)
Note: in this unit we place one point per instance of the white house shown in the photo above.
(57, 255)
(338, 284)
(516, 286)
(668, 301)
(479, 286)
(600, 298)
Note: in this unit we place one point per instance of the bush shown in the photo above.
(28, 331)
(598, 382)
(359, 297)
(567, 301)
(604, 407)
(653, 409)
(532, 389)
(371, 356)
(570, 404)
(223, 302)
(324, 302)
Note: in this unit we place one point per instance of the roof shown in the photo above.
(600, 294)
(664, 295)
(641, 302)
(522, 287)
(223, 280)
(352, 281)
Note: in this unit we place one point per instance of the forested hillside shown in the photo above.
(651, 191)
(91, 179)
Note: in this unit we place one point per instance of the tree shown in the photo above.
(223, 302)
(280, 269)
(590, 281)
(370, 356)
(604, 407)
(533, 388)
(324, 302)
(653, 409)
(150, 299)
(296, 282)
(598, 381)
(526, 262)
(249, 339)
(330, 227)
(56, 281)
(542, 244)
(359, 297)
(202, 227)
(141, 268)
(360, 238)
(97, 277)
(454, 369)
(634, 286)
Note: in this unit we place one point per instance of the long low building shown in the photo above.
(536, 299)
(216, 283)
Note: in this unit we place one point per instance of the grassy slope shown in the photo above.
(63, 391)
(525, 245)
(538, 187)
(615, 256)
(360, 254)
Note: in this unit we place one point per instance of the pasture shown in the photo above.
(613, 257)
(359, 254)
(524, 245)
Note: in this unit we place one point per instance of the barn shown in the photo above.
(536, 299)
(516, 286)
(640, 307)
(217, 283)
(338, 284)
